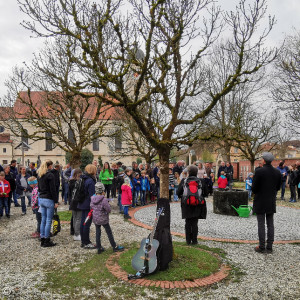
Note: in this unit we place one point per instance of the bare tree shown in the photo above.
(286, 87)
(173, 77)
(54, 112)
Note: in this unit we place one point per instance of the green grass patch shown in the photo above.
(188, 263)
(65, 215)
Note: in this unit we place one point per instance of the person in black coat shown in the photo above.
(56, 173)
(266, 183)
(10, 178)
(191, 213)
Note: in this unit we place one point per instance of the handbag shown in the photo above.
(56, 224)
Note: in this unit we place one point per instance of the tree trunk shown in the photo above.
(252, 161)
(75, 160)
(164, 173)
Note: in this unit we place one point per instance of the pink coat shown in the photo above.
(126, 198)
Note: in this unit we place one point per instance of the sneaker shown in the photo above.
(118, 248)
(259, 250)
(17, 205)
(100, 250)
(90, 246)
(77, 237)
(23, 213)
(293, 201)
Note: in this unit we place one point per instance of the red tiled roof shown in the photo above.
(5, 138)
(45, 108)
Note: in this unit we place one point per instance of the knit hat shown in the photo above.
(99, 188)
(127, 180)
(268, 157)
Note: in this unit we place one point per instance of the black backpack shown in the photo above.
(78, 193)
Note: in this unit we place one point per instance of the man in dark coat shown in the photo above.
(221, 168)
(31, 170)
(192, 213)
(266, 183)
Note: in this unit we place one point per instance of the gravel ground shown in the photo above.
(286, 220)
(24, 264)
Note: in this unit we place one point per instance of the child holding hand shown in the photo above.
(126, 196)
(101, 209)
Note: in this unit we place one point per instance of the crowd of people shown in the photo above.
(90, 191)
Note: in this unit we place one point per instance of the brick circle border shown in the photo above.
(115, 269)
(205, 238)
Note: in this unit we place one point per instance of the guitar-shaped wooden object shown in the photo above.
(145, 260)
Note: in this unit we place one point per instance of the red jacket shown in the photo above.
(126, 197)
(6, 186)
(222, 182)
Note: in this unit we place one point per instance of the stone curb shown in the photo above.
(117, 271)
(205, 238)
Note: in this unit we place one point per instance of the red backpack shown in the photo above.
(192, 193)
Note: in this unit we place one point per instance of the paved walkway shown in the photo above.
(221, 227)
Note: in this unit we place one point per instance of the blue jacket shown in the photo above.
(283, 170)
(89, 191)
(249, 183)
(137, 186)
(145, 184)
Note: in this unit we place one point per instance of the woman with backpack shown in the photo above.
(192, 191)
(89, 179)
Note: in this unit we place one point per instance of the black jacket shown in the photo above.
(21, 189)
(266, 183)
(31, 172)
(57, 177)
(189, 211)
(10, 178)
(47, 188)
(73, 204)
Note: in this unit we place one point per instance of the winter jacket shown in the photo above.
(101, 209)
(74, 203)
(190, 211)
(137, 184)
(266, 183)
(153, 189)
(293, 177)
(249, 181)
(57, 178)
(12, 182)
(126, 198)
(145, 184)
(221, 168)
(106, 177)
(229, 172)
(284, 173)
(20, 188)
(47, 188)
(34, 198)
(14, 171)
(120, 181)
(31, 172)
(4, 189)
(177, 169)
(89, 191)
(222, 182)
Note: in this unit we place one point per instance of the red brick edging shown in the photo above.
(205, 238)
(114, 268)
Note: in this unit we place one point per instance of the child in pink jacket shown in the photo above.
(126, 198)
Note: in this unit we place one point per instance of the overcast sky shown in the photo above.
(17, 46)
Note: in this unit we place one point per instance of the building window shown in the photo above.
(118, 142)
(4, 162)
(236, 150)
(4, 150)
(48, 137)
(71, 136)
(96, 141)
(2, 129)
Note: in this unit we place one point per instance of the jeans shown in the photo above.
(249, 194)
(143, 197)
(108, 232)
(262, 230)
(4, 204)
(66, 192)
(76, 214)
(283, 183)
(126, 210)
(136, 197)
(107, 189)
(38, 217)
(23, 204)
(191, 230)
(120, 203)
(15, 197)
(47, 210)
(85, 229)
(175, 194)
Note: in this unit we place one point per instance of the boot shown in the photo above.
(42, 242)
(48, 243)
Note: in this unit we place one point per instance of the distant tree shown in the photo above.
(172, 91)
(47, 103)
(87, 157)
